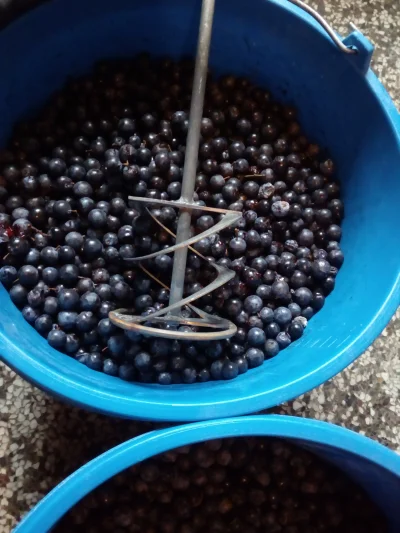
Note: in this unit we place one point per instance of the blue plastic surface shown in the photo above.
(278, 46)
(371, 465)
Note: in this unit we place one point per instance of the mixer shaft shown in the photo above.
(192, 147)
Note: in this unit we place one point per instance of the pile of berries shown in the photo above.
(244, 485)
(68, 229)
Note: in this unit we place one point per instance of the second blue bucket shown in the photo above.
(342, 106)
(373, 467)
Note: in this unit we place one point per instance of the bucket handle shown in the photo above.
(327, 27)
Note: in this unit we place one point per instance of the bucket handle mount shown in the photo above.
(355, 44)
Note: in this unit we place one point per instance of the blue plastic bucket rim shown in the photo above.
(65, 495)
(198, 408)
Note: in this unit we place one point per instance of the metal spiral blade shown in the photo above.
(128, 320)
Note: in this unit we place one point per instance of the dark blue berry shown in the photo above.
(94, 361)
(160, 364)
(280, 290)
(33, 257)
(164, 378)
(160, 347)
(143, 361)
(334, 232)
(50, 276)
(74, 239)
(105, 327)
(117, 345)
(100, 276)
(92, 248)
(68, 299)
(216, 369)
(110, 367)
(66, 254)
(203, 375)
(97, 218)
(272, 329)
(121, 290)
(35, 297)
(127, 127)
(282, 316)
(62, 209)
(242, 364)
(253, 304)
(57, 339)
(82, 189)
(308, 312)
(8, 274)
(85, 285)
(298, 279)
(126, 372)
(214, 350)
(336, 258)
(104, 291)
(90, 301)
(295, 330)
(67, 320)
(77, 172)
(295, 309)
(105, 309)
(256, 337)
(303, 296)
(90, 339)
(305, 238)
(189, 375)
(30, 314)
(267, 315)
(18, 247)
(110, 239)
(230, 370)
(238, 246)
(271, 348)
(320, 269)
(84, 206)
(71, 343)
(178, 363)
(236, 349)
(113, 166)
(142, 302)
(82, 357)
(51, 305)
(318, 301)
(255, 322)
(254, 357)
(163, 263)
(69, 274)
(125, 234)
(280, 209)
(283, 340)
(20, 212)
(86, 321)
(57, 167)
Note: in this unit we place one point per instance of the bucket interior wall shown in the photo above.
(382, 486)
(300, 66)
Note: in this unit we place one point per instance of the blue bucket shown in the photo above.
(342, 106)
(370, 465)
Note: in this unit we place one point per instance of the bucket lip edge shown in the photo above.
(72, 489)
(73, 390)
